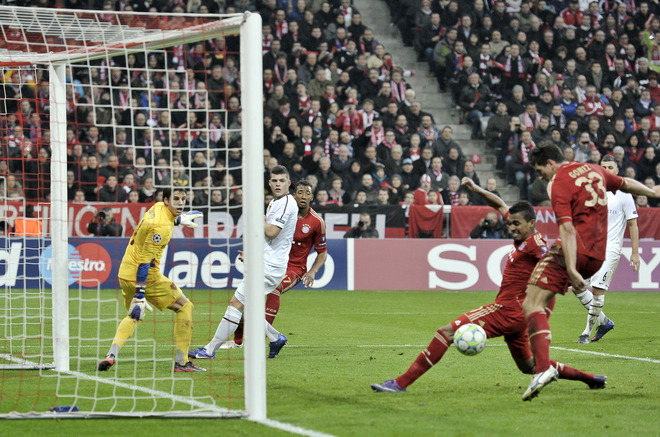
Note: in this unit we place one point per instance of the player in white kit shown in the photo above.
(279, 227)
(621, 211)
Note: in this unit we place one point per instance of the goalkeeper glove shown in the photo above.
(138, 304)
(186, 219)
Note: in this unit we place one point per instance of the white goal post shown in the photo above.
(59, 38)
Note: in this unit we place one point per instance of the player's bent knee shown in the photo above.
(448, 332)
(526, 366)
(187, 307)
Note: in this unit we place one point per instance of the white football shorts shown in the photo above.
(272, 278)
(603, 278)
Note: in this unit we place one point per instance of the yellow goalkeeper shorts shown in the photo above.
(160, 292)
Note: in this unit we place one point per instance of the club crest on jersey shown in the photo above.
(305, 228)
(157, 238)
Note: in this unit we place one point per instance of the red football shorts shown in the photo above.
(291, 279)
(507, 320)
(550, 272)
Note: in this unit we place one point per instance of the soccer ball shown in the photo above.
(470, 339)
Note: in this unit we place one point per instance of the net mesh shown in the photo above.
(142, 114)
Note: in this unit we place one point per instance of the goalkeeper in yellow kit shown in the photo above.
(142, 282)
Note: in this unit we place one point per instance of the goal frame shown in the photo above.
(249, 27)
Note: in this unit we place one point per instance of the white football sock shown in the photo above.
(585, 298)
(226, 328)
(595, 311)
(272, 333)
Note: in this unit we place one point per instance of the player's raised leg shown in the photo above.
(424, 361)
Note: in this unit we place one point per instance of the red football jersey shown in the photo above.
(579, 194)
(519, 266)
(310, 233)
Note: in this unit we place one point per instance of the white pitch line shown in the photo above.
(292, 428)
(602, 354)
(315, 346)
(152, 392)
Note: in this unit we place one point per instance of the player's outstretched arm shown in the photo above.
(491, 199)
(187, 219)
(635, 187)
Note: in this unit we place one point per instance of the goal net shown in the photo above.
(100, 111)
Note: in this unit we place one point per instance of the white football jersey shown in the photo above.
(620, 209)
(282, 213)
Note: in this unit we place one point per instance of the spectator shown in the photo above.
(362, 229)
(491, 186)
(450, 195)
(476, 100)
(453, 163)
(103, 224)
(490, 227)
(422, 192)
(111, 192)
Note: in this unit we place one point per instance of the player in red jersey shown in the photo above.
(504, 317)
(309, 234)
(579, 200)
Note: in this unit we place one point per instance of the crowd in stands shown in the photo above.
(580, 73)
(338, 109)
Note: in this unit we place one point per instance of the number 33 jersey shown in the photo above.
(579, 195)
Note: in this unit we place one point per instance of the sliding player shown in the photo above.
(310, 234)
(579, 200)
(620, 210)
(141, 280)
(279, 226)
(504, 317)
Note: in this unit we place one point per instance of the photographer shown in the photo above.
(362, 229)
(490, 227)
(104, 224)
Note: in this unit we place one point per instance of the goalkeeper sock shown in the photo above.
(183, 327)
(125, 331)
(272, 307)
(427, 359)
(566, 372)
(226, 328)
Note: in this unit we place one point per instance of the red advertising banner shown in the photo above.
(469, 265)
(465, 218)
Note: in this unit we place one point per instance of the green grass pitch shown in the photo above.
(340, 342)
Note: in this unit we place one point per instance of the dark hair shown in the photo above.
(544, 151)
(607, 158)
(525, 209)
(279, 170)
(304, 183)
(167, 192)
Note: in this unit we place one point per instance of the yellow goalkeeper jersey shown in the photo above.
(148, 241)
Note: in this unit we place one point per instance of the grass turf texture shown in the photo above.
(340, 342)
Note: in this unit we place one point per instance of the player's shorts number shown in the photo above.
(588, 182)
